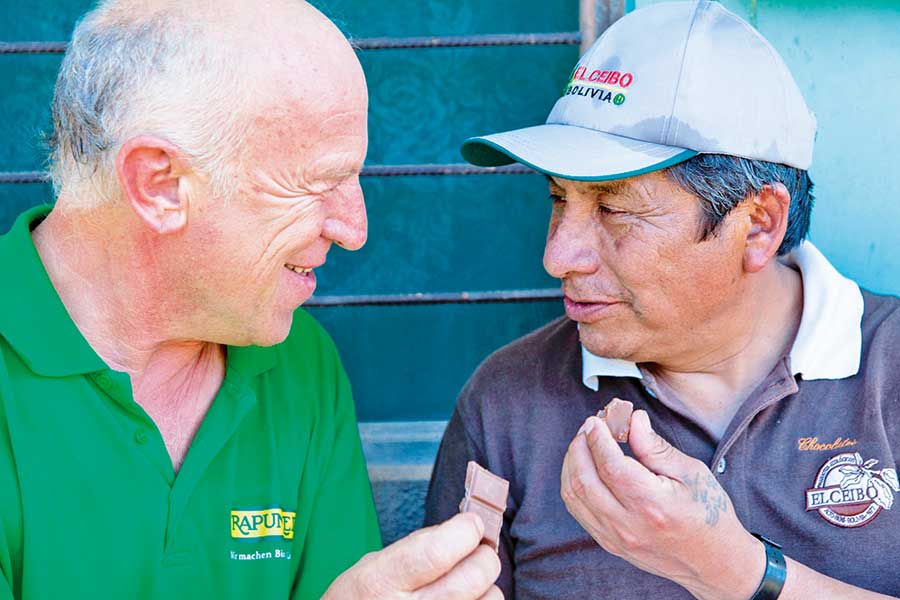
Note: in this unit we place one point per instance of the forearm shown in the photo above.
(803, 583)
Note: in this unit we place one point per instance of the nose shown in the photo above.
(570, 246)
(347, 224)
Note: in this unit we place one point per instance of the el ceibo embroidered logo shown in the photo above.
(269, 522)
(599, 84)
(849, 491)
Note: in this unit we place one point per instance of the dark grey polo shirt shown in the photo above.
(809, 463)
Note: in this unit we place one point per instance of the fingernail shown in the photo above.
(588, 426)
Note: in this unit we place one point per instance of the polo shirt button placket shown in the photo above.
(721, 466)
(141, 436)
(105, 381)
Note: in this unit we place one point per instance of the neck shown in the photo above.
(113, 293)
(739, 351)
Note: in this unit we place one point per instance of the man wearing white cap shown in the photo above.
(764, 388)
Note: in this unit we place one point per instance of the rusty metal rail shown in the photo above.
(449, 169)
(33, 47)
(375, 43)
(536, 295)
(470, 41)
(368, 171)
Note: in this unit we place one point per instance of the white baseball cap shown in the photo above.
(661, 85)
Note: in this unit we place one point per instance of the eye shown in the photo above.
(555, 198)
(605, 210)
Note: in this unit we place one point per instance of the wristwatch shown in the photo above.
(776, 571)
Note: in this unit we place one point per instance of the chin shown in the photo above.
(602, 344)
(273, 332)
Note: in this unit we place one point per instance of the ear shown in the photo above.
(149, 170)
(768, 212)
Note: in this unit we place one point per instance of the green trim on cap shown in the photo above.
(485, 153)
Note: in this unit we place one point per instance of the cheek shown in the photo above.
(700, 285)
(671, 277)
(282, 231)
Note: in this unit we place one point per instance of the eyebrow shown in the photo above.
(603, 187)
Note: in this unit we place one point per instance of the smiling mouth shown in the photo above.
(298, 270)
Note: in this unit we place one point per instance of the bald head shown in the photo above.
(195, 72)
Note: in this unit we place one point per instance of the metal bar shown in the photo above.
(374, 43)
(368, 171)
(595, 16)
(538, 295)
(33, 47)
(472, 41)
(449, 169)
(24, 177)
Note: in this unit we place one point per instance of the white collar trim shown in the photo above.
(828, 343)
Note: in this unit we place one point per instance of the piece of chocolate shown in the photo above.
(618, 418)
(486, 496)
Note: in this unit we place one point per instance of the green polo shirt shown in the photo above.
(272, 501)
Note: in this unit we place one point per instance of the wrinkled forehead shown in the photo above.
(608, 187)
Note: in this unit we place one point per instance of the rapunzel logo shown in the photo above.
(262, 523)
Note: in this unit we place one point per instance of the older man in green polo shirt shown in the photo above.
(170, 427)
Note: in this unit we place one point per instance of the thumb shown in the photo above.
(428, 554)
(654, 452)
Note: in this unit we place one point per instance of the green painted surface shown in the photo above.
(844, 57)
(486, 232)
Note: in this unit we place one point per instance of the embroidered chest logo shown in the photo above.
(850, 492)
(262, 523)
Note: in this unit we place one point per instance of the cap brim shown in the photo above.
(572, 152)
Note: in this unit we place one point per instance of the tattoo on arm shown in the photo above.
(707, 491)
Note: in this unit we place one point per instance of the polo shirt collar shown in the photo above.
(36, 324)
(828, 343)
(34, 320)
(251, 360)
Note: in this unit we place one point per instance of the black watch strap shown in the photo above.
(776, 571)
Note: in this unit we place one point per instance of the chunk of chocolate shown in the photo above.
(486, 496)
(618, 418)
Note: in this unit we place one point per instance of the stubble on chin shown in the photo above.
(601, 343)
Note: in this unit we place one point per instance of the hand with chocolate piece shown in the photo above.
(485, 495)
(618, 418)
(662, 511)
(443, 561)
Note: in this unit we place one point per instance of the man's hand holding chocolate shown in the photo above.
(662, 511)
(442, 561)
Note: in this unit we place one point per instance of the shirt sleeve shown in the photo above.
(448, 485)
(343, 524)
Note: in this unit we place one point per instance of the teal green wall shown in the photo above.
(845, 57)
(486, 232)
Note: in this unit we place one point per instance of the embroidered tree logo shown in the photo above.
(863, 475)
(850, 492)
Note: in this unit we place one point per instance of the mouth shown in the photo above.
(587, 310)
(298, 269)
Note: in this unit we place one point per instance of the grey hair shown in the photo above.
(721, 182)
(122, 77)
